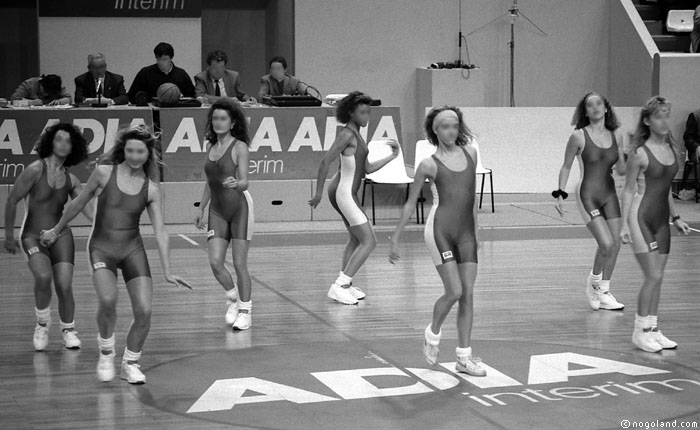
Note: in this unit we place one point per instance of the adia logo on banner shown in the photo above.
(267, 386)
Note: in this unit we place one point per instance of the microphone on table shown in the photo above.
(99, 103)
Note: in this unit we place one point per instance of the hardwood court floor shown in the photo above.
(528, 290)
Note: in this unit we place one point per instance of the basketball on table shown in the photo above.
(168, 93)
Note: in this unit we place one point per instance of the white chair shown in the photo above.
(394, 172)
(680, 21)
(483, 171)
(424, 149)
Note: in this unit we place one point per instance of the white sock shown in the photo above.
(604, 286)
(463, 354)
(343, 280)
(130, 356)
(652, 321)
(43, 316)
(106, 344)
(641, 323)
(432, 338)
(232, 295)
(595, 279)
(245, 306)
(67, 326)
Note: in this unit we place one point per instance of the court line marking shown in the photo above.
(359, 342)
(192, 242)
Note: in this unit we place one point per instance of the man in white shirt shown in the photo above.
(217, 81)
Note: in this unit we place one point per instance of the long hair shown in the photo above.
(580, 118)
(347, 105)
(79, 147)
(240, 123)
(140, 132)
(465, 135)
(643, 132)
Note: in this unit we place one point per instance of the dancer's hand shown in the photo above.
(394, 147)
(625, 235)
(10, 245)
(48, 237)
(682, 226)
(199, 222)
(559, 206)
(315, 201)
(394, 255)
(177, 281)
(230, 182)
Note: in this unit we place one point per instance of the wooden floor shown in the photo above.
(528, 290)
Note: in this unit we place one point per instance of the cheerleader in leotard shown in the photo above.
(46, 185)
(450, 230)
(597, 143)
(125, 184)
(231, 207)
(349, 146)
(650, 170)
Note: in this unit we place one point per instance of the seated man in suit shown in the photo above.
(278, 82)
(97, 80)
(218, 81)
(149, 78)
(46, 90)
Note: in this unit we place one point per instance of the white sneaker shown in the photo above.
(131, 373)
(662, 340)
(592, 294)
(430, 352)
(645, 340)
(342, 295)
(243, 321)
(105, 367)
(357, 293)
(41, 337)
(609, 302)
(231, 312)
(471, 366)
(71, 340)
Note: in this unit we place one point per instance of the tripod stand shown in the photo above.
(513, 13)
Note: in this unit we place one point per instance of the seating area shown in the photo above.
(670, 29)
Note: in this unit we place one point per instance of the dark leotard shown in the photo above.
(450, 228)
(343, 189)
(596, 193)
(44, 207)
(649, 216)
(230, 210)
(115, 241)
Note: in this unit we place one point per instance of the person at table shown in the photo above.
(45, 90)
(149, 78)
(278, 82)
(98, 81)
(217, 81)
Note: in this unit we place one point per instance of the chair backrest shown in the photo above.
(394, 172)
(680, 21)
(479, 165)
(424, 149)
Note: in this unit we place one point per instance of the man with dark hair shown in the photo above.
(98, 81)
(278, 82)
(149, 78)
(217, 81)
(46, 90)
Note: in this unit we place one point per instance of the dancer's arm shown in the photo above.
(371, 167)
(681, 225)
(636, 164)
(89, 211)
(426, 169)
(155, 207)
(573, 148)
(341, 142)
(23, 186)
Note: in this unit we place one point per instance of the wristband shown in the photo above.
(197, 204)
(560, 193)
(675, 218)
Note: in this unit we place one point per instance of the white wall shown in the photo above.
(525, 146)
(375, 46)
(64, 44)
